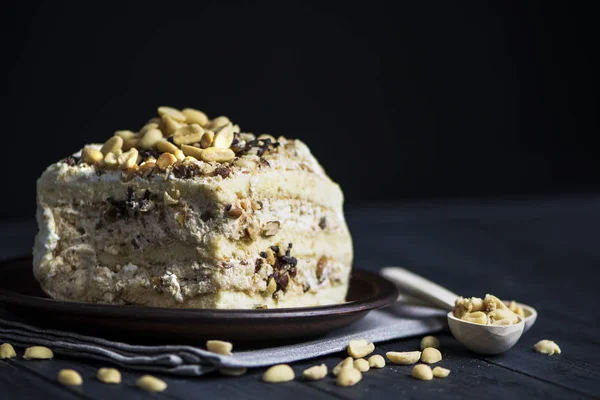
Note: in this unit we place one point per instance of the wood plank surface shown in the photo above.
(542, 253)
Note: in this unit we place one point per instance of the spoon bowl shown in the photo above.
(485, 339)
(482, 339)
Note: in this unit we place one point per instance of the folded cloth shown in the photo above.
(394, 322)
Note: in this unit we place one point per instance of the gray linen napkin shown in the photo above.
(397, 321)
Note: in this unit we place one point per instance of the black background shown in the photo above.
(404, 100)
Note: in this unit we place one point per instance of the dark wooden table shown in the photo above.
(545, 253)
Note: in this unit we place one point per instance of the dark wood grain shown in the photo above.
(543, 253)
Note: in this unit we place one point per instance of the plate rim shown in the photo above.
(386, 296)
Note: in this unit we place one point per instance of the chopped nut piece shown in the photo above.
(232, 371)
(166, 147)
(69, 377)
(315, 373)
(348, 377)
(193, 116)
(440, 372)
(271, 228)
(7, 351)
(223, 137)
(168, 200)
(271, 287)
(320, 270)
(346, 363)
(516, 308)
(404, 357)
(547, 347)
(216, 154)
(264, 136)
(91, 155)
(147, 127)
(422, 372)
(188, 134)
(192, 151)
(361, 364)
(109, 375)
(431, 355)
(207, 139)
(279, 373)
(171, 112)
(38, 353)
(129, 143)
(146, 168)
(477, 317)
(180, 217)
(150, 138)
(169, 126)
(235, 212)
(218, 122)
(502, 317)
(151, 384)
(219, 347)
(360, 348)
(111, 160)
(112, 145)
(376, 361)
(128, 159)
(252, 231)
(270, 257)
(430, 341)
(491, 303)
(165, 160)
(125, 134)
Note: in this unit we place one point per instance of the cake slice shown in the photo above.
(191, 212)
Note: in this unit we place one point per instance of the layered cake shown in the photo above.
(192, 212)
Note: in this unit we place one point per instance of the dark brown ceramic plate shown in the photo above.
(21, 295)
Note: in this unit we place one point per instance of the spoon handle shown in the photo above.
(420, 287)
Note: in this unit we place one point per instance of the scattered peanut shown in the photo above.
(217, 154)
(376, 361)
(403, 358)
(188, 134)
(171, 112)
(348, 377)
(361, 364)
(69, 377)
(165, 160)
(151, 384)
(147, 127)
(207, 139)
(38, 353)
(360, 348)
(129, 143)
(91, 155)
(194, 116)
(112, 145)
(315, 373)
(547, 347)
(219, 347)
(422, 372)
(232, 371)
(346, 363)
(7, 351)
(223, 137)
(440, 372)
(271, 287)
(430, 341)
(109, 375)
(431, 355)
(150, 139)
(279, 373)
